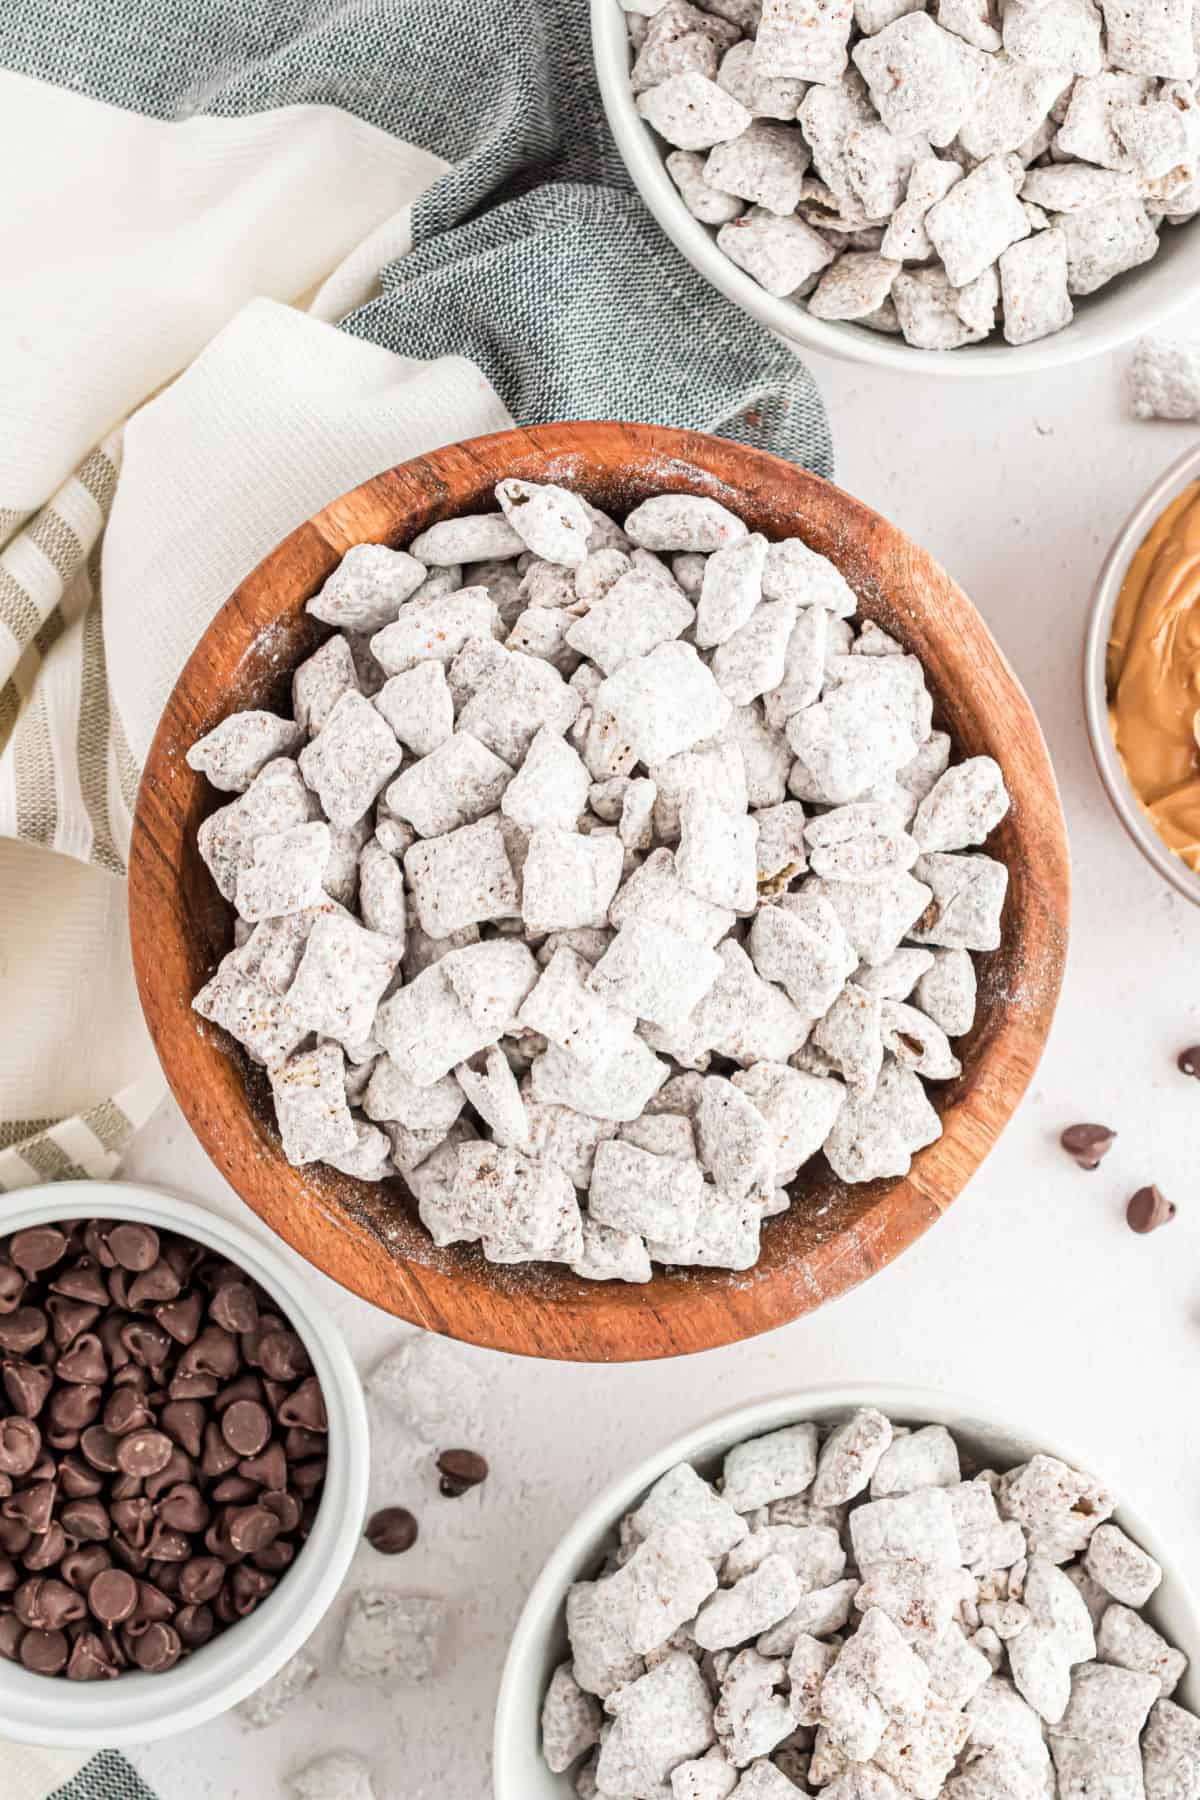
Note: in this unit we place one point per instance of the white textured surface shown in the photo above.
(1031, 1296)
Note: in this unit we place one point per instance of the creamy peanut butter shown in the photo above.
(1153, 675)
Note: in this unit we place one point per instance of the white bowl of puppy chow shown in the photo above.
(183, 1466)
(605, 874)
(888, 183)
(877, 1594)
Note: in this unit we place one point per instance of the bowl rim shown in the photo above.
(1180, 473)
(844, 341)
(139, 1708)
(546, 1311)
(541, 1617)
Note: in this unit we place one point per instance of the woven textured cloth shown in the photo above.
(253, 255)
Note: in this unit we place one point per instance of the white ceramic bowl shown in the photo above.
(1136, 302)
(1133, 816)
(136, 1708)
(540, 1642)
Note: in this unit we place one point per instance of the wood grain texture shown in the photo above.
(369, 1238)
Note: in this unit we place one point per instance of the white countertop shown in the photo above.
(1031, 1296)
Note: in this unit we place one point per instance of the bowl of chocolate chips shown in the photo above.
(183, 1465)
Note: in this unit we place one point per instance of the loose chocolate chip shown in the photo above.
(251, 1528)
(181, 1318)
(282, 1356)
(23, 1330)
(154, 1606)
(234, 1307)
(156, 1649)
(100, 1448)
(81, 1280)
(184, 1420)
(48, 1550)
(143, 1452)
(268, 1470)
(69, 1317)
(45, 1652)
(38, 1248)
(160, 1283)
(71, 1409)
(20, 1445)
(246, 1426)
(1088, 1144)
(1148, 1209)
(135, 1247)
(27, 1385)
(84, 1361)
(87, 1520)
(90, 1660)
(127, 1410)
(460, 1471)
(305, 1407)
(391, 1530)
(201, 1579)
(1188, 1061)
(195, 1625)
(184, 1509)
(112, 1596)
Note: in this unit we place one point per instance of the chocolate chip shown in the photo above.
(11, 1633)
(45, 1652)
(146, 1341)
(127, 1410)
(251, 1528)
(286, 1508)
(23, 1330)
(81, 1280)
(154, 1606)
(184, 1509)
(79, 1568)
(1148, 1209)
(234, 1307)
(1088, 1144)
(268, 1470)
(12, 1288)
(391, 1530)
(276, 1557)
(184, 1421)
(69, 1317)
(27, 1385)
(135, 1247)
(1188, 1061)
(195, 1625)
(178, 1468)
(305, 1407)
(45, 1604)
(159, 1283)
(112, 1596)
(246, 1426)
(181, 1318)
(234, 1490)
(20, 1445)
(201, 1579)
(460, 1471)
(308, 1476)
(143, 1452)
(99, 1447)
(87, 1520)
(282, 1356)
(9, 1578)
(90, 1660)
(84, 1361)
(71, 1409)
(157, 1649)
(79, 1481)
(37, 1249)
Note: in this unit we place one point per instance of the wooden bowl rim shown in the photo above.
(555, 1314)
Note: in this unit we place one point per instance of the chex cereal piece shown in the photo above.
(475, 664)
(1171, 1752)
(849, 1456)
(597, 1628)
(1106, 240)
(473, 538)
(1066, 38)
(239, 748)
(1058, 1635)
(1058, 1506)
(916, 1042)
(520, 696)
(764, 753)
(817, 1614)
(462, 878)
(599, 571)
(251, 1011)
(766, 96)
(381, 898)
(310, 1105)
(418, 706)
(569, 880)
(368, 588)
(683, 522)
(917, 1459)
(918, 77)
(1128, 1641)
(855, 287)
(896, 978)
(906, 239)
(550, 521)
(571, 1721)
(800, 1109)
(610, 1255)
(568, 1010)
(967, 901)
(1017, 95)
(1033, 281)
(1073, 186)
(540, 632)
(425, 1028)
(753, 659)
(735, 1141)
(752, 1716)
(1121, 1567)
(980, 217)
(731, 589)
(804, 38)
(725, 1236)
(744, 1017)
(637, 814)
(1087, 130)
(632, 1190)
(716, 855)
(920, 1602)
(650, 972)
(803, 667)
(490, 1085)
(390, 1636)
(669, 1580)
(693, 113)
(859, 842)
(663, 1133)
(814, 1552)
(957, 1670)
(681, 1497)
(320, 682)
(1159, 137)
(371, 1157)
(638, 612)
(523, 1210)
(772, 1467)
(792, 571)
(856, 735)
(765, 164)
(780, 253)
(286, 874)
(392, 1094)
(1149, 40)
(779, 848)
(851, 1036)
(456, 784)
(927, 306)
(1083, 1768)
(805, 949)
(664, 702)
(619, 1090)
(875, 915)
(351, 759)
(708, 1777)
(1164, 380)
(338, 1776)
(920, 1757)
(750, 1607)
(435, 629)
(716, 768)
(341, 978)
(962, 807)
(808, 1665)
(877, 1137)
(705, 202)
(662, 1718)
(1002, 1721)
(1108, 1705)
(276, 800)
(565, 1136)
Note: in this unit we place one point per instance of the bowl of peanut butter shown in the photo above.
(1142, 675)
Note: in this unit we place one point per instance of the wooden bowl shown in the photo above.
(369, 1237)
